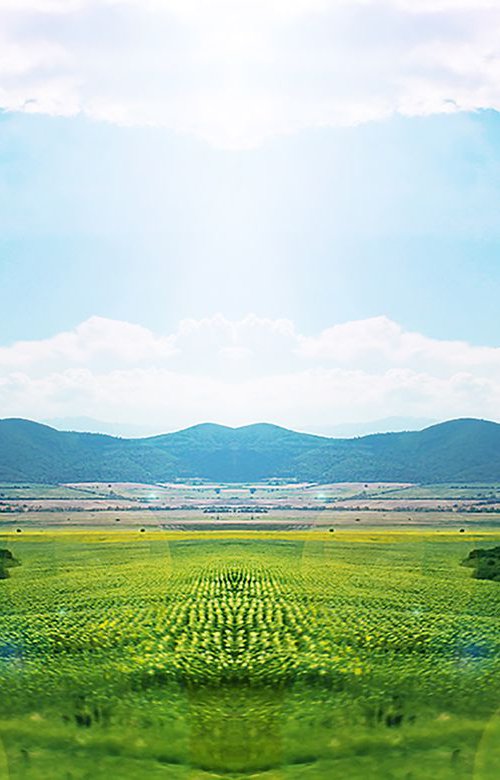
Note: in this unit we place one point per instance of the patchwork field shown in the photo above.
(277, 519)
(244, 654)
(233, 498)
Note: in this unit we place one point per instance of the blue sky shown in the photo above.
(323, 164)
(397, 218)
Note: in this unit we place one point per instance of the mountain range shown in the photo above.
(135, 430)
(465, 450)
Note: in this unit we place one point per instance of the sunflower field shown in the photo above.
(270, 655)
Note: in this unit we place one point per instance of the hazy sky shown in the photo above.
(237, 211)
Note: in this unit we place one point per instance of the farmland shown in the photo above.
(250, 497)
(277, 655)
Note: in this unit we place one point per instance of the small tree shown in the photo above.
(7, 561)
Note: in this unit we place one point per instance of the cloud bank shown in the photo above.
(235, 72)
(254, 369)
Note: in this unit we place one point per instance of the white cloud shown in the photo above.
(237, 372)
(44, 6)
(380, 342)
(96, 341)
(237, 71)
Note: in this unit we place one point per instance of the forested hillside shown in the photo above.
(460, 450)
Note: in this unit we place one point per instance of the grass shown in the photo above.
(443, 491)
(32, 491)
(245, 654)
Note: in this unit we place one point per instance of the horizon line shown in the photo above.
(261, 424)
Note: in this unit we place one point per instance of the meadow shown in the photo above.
(318, 655)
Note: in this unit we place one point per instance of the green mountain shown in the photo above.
(465, 450)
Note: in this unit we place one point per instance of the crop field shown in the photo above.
(287, 655)
(452, 492)
(234, 498)
(224, 497)
(30, 491)
(292, 492)
(276, 519)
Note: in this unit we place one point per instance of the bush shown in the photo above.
(486, 563)
(7, 561)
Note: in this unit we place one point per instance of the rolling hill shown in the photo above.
(465, 450)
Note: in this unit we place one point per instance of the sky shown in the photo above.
(249, 211)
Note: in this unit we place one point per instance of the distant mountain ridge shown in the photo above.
(350, 430)
(338, 430)
(464, 450)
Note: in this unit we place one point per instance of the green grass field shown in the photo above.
(242, 654)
